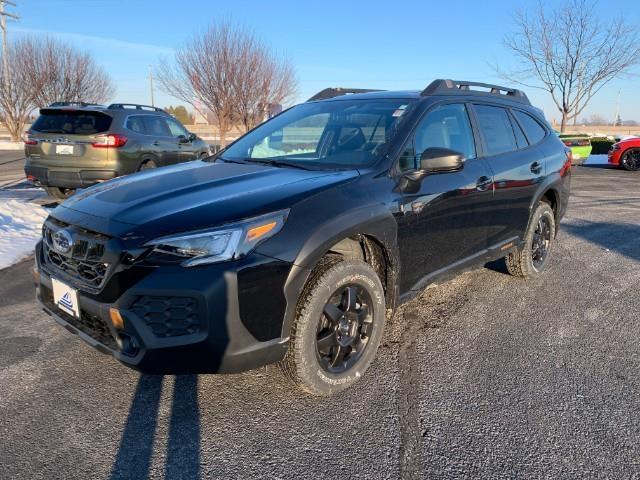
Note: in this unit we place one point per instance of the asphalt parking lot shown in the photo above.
(485, 376)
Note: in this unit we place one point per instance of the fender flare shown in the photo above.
(374, 221)
(551, 184)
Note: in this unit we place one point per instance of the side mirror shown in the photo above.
(441, 160)
(432, 160)
(193, 137)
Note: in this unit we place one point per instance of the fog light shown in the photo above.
(116, 318)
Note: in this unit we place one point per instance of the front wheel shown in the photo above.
(630, 160)
(338, 326)
(531, 258)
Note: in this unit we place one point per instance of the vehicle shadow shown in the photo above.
(134, 455)
(616, 237)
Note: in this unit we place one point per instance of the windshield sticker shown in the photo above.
(399, 111)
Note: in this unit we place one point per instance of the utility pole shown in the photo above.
(3, 26)
(615, 118)
(151, 85)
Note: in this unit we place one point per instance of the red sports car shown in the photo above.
(626, 154)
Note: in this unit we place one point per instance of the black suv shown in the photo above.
(74, 145)
(296, 242)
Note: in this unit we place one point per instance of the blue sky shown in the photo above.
(375, 44)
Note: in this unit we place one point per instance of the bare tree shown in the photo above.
(43, 71)
(229, 71)
(266, 79)
(71, 75)
(569, 53)
(19, 86)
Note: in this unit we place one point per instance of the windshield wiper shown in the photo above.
(53, 130)
(228, 160)
(277, 163)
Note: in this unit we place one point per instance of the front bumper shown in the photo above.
(222, 318)
(613, 156)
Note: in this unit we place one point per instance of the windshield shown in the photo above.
(342, 134)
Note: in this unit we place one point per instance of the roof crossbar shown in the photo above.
(338, 91)
(462, 87)
(120, 106)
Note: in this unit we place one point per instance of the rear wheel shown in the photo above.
(531, 258)
(148, 165)
(59, 192)
(630, 160)
(338, 326)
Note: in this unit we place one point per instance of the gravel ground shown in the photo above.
(483, 376)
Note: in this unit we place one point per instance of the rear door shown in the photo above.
(517, 169)
(440, 225)
(160, 141)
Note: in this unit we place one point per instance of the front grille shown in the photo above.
(89, 324)
(168, 316)
(85, 263)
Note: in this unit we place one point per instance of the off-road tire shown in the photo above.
(520, 262)
(59, 193)
(301, 363)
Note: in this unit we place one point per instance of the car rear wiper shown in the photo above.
(277, 163)
(53, 130)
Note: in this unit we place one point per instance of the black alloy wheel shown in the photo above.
(631, 160)
(344, 329)
(540, 242)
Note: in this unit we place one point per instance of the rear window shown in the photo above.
(496, 129)
(76, 122)
(532, 128)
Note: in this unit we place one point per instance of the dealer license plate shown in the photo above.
(65, 297)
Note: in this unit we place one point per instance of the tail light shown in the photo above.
(28, 140)
(113, 140)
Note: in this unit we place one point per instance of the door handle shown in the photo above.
(155, 143)
(483, 183)
(536, 167)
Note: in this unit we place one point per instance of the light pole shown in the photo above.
(3, 26)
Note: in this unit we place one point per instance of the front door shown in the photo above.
(439, 225)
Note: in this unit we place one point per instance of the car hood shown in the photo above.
(191, 196)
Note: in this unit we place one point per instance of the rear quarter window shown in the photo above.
(534, 131)
(72, 122)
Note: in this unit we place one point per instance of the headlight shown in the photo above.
(220, 244)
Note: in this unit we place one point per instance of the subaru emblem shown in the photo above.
(62, 241)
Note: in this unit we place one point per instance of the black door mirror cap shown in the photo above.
(183, 139)
(441, 160)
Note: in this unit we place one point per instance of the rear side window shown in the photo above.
(156, 126)
(72, 122)
(135, 124)
(532, 128)
(520, 137)
(496, 129)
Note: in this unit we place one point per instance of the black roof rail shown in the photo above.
(338, 91)
(74, 104)
(461, 87)
(135, 106)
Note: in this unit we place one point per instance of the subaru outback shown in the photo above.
(74, 145)
(298, 241)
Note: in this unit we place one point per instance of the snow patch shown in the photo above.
(21, 219)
